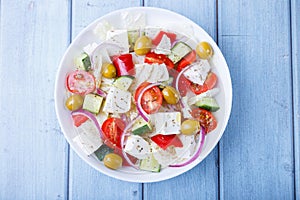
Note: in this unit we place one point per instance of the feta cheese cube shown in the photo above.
(137, 147)
(88, 138)
(164, 46)
(119, 37)
(166, 123)
(198, 72)
(117, 101)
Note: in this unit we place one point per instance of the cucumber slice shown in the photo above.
(150, 164)
(208, 103)
(83, 62)
(179, 51)
(102, 151)
(92, 103)
(140, 127)
(123, 82)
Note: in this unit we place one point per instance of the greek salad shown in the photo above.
(142, 97)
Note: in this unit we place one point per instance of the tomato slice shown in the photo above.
(156, 40)
(209, 83)
(152, 98)
(183, 85)
(79, 119)
(206, 119)
(112, 129)
(186, 60)
(164, 141)
(124, 64)
(152, 57)
(80, 82)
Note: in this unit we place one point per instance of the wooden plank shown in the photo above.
(295, 23)
(86, 182)
(32, 149)
(256, 154)
(202, 181)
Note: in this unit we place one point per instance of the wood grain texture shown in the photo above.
(295, 23)
(86, 182)
(32, 149)
(256, 154)
(202, 181)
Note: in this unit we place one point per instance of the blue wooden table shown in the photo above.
(258, 156)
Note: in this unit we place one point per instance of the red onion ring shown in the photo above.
(196, 154)
(100, 92)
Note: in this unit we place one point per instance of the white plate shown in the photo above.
(159, 18)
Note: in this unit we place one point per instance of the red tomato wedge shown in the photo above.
(206, 119)
(112, 129)
(156, 40)
(210, 82)
(152, 98)
(80, 82)
(164, 141)
(79, 119)
(152, 57)
(124, 64)
(186, 60)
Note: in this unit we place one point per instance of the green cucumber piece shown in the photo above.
(150, 164)
(102, 151)
(140, 127)
(180, 50)
(123, 82)
(83, 62)
(92, 103)
(208, 103)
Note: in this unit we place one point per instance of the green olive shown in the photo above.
(170, 95)
(74, 102)
(142, 45)
(113, 161)
(190, 127)
(204, 50)
(109, 70)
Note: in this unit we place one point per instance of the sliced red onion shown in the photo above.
(143, 114)
(91, 117)
(101, 92)
(196, 154)
(123, 142)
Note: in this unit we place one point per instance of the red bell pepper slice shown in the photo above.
(152, 57)
(160, 34)
(124, 64)
(164, 141)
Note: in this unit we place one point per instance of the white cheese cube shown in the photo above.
(198, 72)
(188, 149)
(101, 29)
(133, 20)
(119, 37)
(90, 48)
(163, 157)
(137, 147)
(164, 46)
(88, 138)
(166, 123)
(117, 101)
(159, 73)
